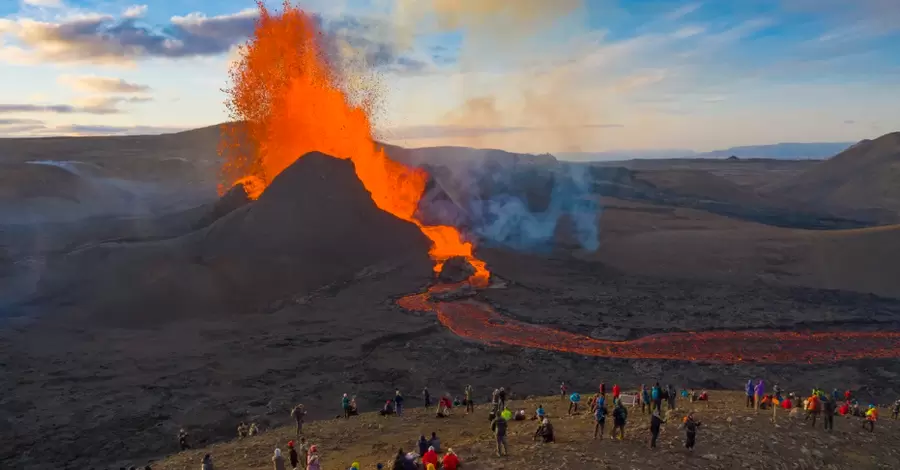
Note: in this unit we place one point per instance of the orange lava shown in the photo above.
(477, 321)
(290, 98)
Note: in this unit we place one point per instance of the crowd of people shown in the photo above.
(427, 452)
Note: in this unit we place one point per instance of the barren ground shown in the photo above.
(730, 437)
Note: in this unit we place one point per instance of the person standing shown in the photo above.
(655, 422)
(813, 408)
(690, 428)
(620, 418)
(656, 396)
(749, 390)
(600, 413)
(828, 409)
(563, 389)
(299, 414)
(278, 460)
(758, 391)
(498, 426)
(470, 405)
(616, 391)
(398, 402)
(312, 460)
(183, 439)
(427, 397)
(207, 463)
(345, 405)
(645, 399)
(292, 453)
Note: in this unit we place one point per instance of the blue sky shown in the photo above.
(525, 75)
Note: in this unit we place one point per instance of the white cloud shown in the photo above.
(135, 11)
(44, 3)
(682, 11)
(96, 84)
(688, 31)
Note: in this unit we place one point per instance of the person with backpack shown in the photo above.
(655, 422)
(600, 413)
(656, 396)
(813, 408)
(620, 418)
(871, 418)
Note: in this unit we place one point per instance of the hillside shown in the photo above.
(687, 243)
(862, 179)
(286, 243)
(730, 437)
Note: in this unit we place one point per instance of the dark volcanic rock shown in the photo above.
(456, 269)
(315, 225)
(234, 199)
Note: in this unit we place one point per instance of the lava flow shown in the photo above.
(288, 94)
(475, 320)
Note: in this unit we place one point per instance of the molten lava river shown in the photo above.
(293, 99)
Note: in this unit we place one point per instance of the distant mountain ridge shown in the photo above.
(781, 151)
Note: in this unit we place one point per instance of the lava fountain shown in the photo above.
(288, 95)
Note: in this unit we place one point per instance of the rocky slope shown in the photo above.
(731, 437)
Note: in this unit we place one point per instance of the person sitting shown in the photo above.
(450, 460)
(519, 415)
(430, 457)
(844, 409)
(253, 431)
(243, 430)
(387, 409)
(544, 431)
(703, 396)
(434, 442)
(457, 401)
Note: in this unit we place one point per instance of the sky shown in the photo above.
(521, 75)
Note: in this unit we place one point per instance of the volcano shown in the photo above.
(315, 226)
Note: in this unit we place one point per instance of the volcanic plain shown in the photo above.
(120, 328)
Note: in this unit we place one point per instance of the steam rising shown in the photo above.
(522, 203)
(508, 220)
